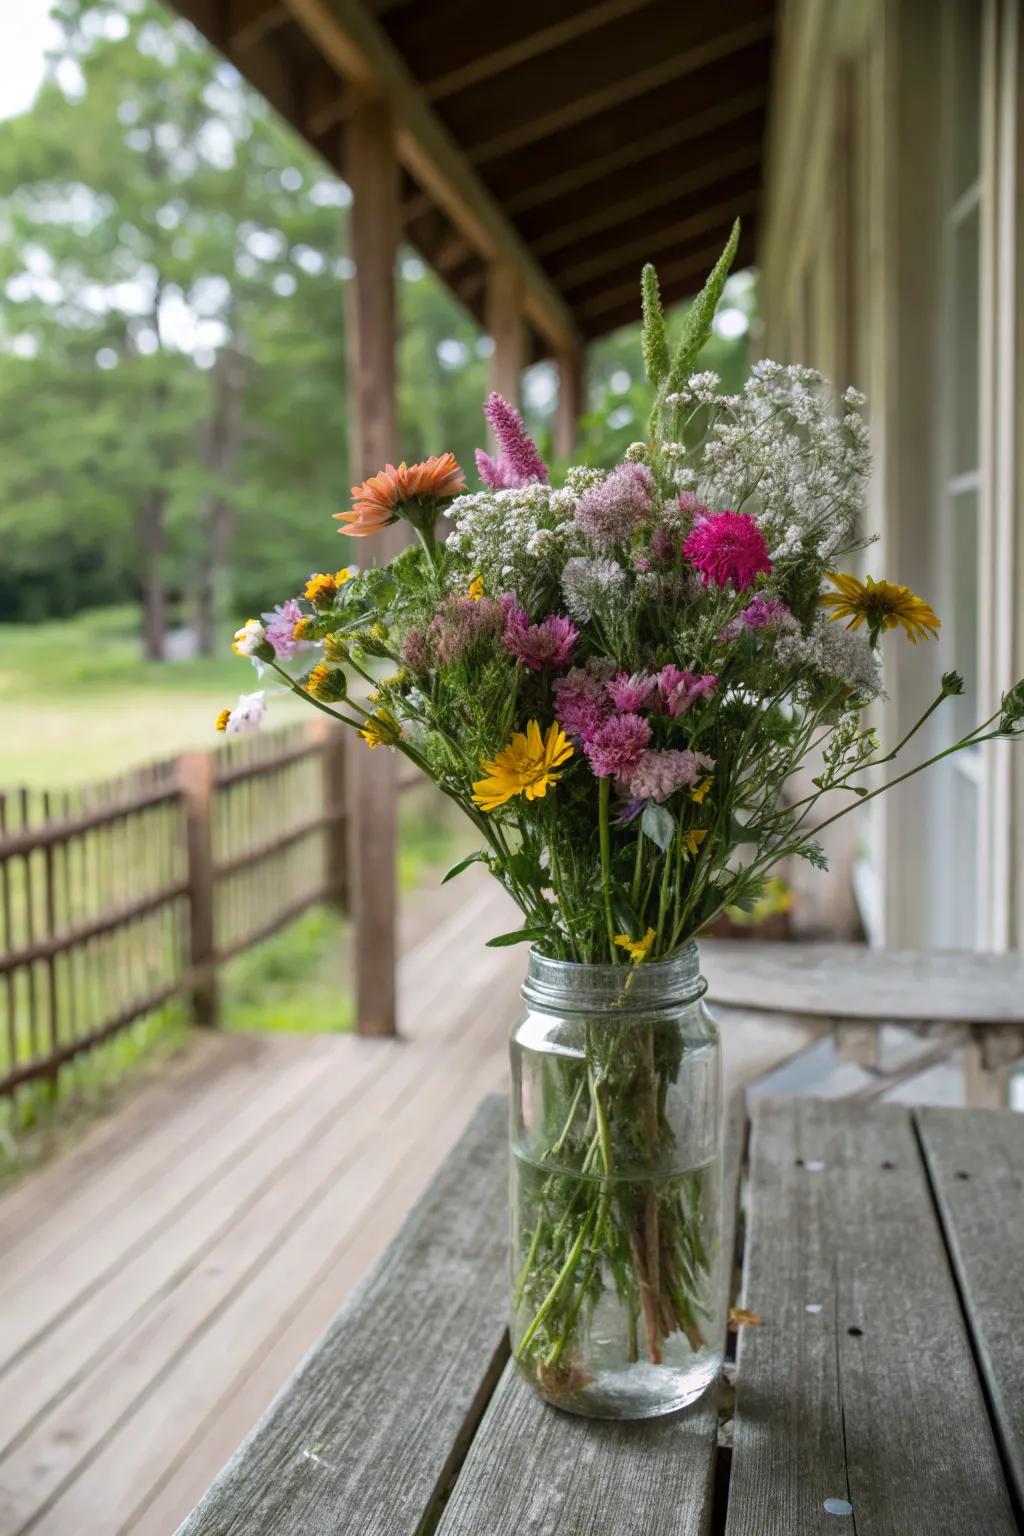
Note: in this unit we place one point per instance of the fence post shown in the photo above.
(372, 886)
(334, 755)
(196, 776)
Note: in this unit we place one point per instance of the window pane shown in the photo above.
(963, 896)
(965, 40)
(963, 621)
(964, 362)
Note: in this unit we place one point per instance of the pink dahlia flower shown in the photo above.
(581, 703)
(616, 746)
(615, 509)
(631, 692)
(280, 629)
(518, 462)
(656, 775)
(681, 689)
(547, 644)
(727, 547)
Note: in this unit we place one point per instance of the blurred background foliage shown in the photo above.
(173, 415)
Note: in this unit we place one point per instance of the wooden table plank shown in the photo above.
(874, 1398)
(976, 1164)
(850, 981)
(365, 1435)
(532, 1471)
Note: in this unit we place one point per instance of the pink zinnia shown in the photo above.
(547, 644)
(280, 627)
(518, 462)
(631, 692)
(681, 689)
(615, 747)
(727, 546)
(581, 703)
(612, 511)
(656, 775)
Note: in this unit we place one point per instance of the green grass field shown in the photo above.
(77, 704)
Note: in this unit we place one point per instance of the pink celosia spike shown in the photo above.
(518, 449)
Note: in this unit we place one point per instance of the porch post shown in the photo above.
(570, 399)
(507, 329)
(372, 170)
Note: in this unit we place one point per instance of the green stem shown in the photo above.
(603, 797)
(572, 1259)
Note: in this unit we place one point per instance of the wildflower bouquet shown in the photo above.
(617, 679)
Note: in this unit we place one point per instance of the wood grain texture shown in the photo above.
(365, 1435)
(534, 1471)
(849, 981)
(976, 1165)
(873, 1398)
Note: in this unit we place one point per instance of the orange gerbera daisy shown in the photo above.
(379, 500)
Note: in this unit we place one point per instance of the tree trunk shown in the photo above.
(152, 538)
(222, 436)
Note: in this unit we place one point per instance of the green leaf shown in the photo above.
(658, 824)
(653, 341)
(697, 327)
(471, 858)
(520, 936)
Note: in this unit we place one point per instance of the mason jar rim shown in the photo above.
(574, 986)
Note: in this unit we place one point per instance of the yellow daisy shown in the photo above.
(524, 767)
(693, 839)
(476, 589)
(380, 729)
(698, 793)
(221, 722)
(881, 605)
(637, 949)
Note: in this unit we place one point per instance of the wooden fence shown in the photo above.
(117, 898)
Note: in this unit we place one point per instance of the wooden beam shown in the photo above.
(507, 330)
(250, 21)
(476, 43)
(633, 194)
(609, 67)
(359, 49)
(571, 387)
(683, 222)
(372, 780)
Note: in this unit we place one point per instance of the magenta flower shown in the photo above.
(631, 692)
(615, 509)
(581, 703)
(761, 613)
(656, 775)
(681, 689)
(615, 747)
(547, 644)
(460, 622)
(727, 546)
(280, 629)
(518, 462)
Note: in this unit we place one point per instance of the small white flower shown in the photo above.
(247, 716)
(249, 638)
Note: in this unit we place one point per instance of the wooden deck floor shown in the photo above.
(160, 1281)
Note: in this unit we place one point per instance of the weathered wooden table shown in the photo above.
(883, 1391)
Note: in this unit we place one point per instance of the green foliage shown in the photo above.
(654, 342)
(697, 327)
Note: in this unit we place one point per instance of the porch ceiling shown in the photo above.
(568, 140)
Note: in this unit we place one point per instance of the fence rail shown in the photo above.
(117, 898)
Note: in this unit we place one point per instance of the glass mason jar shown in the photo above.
(617, 1290)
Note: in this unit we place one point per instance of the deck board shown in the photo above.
(223, 1214)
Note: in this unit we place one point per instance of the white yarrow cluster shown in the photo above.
(506, 534)
(590, 584)
(836, 652)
